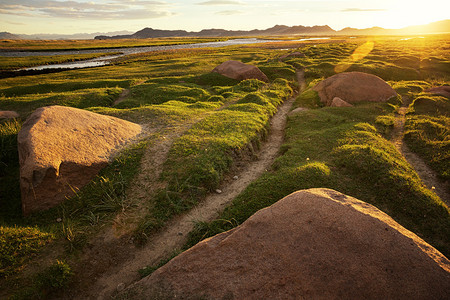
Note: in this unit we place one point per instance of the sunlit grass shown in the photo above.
(14, 63)
(52, 45)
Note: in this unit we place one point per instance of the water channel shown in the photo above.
(105, 60)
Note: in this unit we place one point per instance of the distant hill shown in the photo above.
(436, 27)
(9, 36)
(276, 30)
(76, 36)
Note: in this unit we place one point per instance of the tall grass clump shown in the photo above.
(47, 282)
(199, 159)
(430, 138)
(8, 144)
(339, 148)
(17, 245)
(10, 204)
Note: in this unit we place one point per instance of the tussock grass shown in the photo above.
(430, 138)
(82, 98)
(427, 104)
(199, 159)
(321, 145)
(9, 169)
(17, 245)
(14, 63)
(63, 86)
(154, 93)
(52, 45)
(361, 164)
(47, 282)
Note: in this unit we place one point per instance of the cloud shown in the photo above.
(229, 12)
(362, 9)
(220, 2)
(108, 10)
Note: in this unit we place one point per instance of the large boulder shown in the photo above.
(240, 71)
(443, 90)
(354, 87)
(312, 244)
(62, 148)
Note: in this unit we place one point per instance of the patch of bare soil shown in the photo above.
(112, 262)
(428, 176)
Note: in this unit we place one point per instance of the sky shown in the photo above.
(89, 16)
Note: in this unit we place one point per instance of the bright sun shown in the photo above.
(402, 13)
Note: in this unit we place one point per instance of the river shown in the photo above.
(105, 60)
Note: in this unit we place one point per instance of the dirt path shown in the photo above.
(428, 176)
(117, 266)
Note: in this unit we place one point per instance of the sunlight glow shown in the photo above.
(359, 53)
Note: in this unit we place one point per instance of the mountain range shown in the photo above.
(436, 27)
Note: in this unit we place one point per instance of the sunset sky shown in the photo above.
(76, 16)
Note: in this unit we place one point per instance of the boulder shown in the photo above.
(443, 90)
(8, 114)
(312, 244)
(240, 71)
(354, 87)
(61, 149)
(338, 102)
(292, 55)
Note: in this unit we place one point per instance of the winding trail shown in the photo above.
(116, 260)
(428, 176)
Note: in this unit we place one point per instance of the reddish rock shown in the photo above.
(313, 244)
(240, 71)
(8, 114)
(354, 87)
(338, 102)
(440, 90)
(61, 149)
(297, 111)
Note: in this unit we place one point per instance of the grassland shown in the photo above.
(15, 63)
(54, 45)
(346, 149)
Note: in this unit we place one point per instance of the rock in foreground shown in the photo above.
(312, 244)
(8, 114)
(354, 87)
(61, 149)
(240, 71)
(443, 90)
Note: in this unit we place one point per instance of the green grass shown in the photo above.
(46, 282)
(62, 86)
(82, 98)
(96, 203)
(337, 148)
(53, 45)
(13, 63)
(199, 159)
(9, 168)
(155, 93)
(18, 245)
(427, 104)
(430, 138)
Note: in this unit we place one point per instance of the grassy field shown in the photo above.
(15, 63)
(54, 45)
(346, 149)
